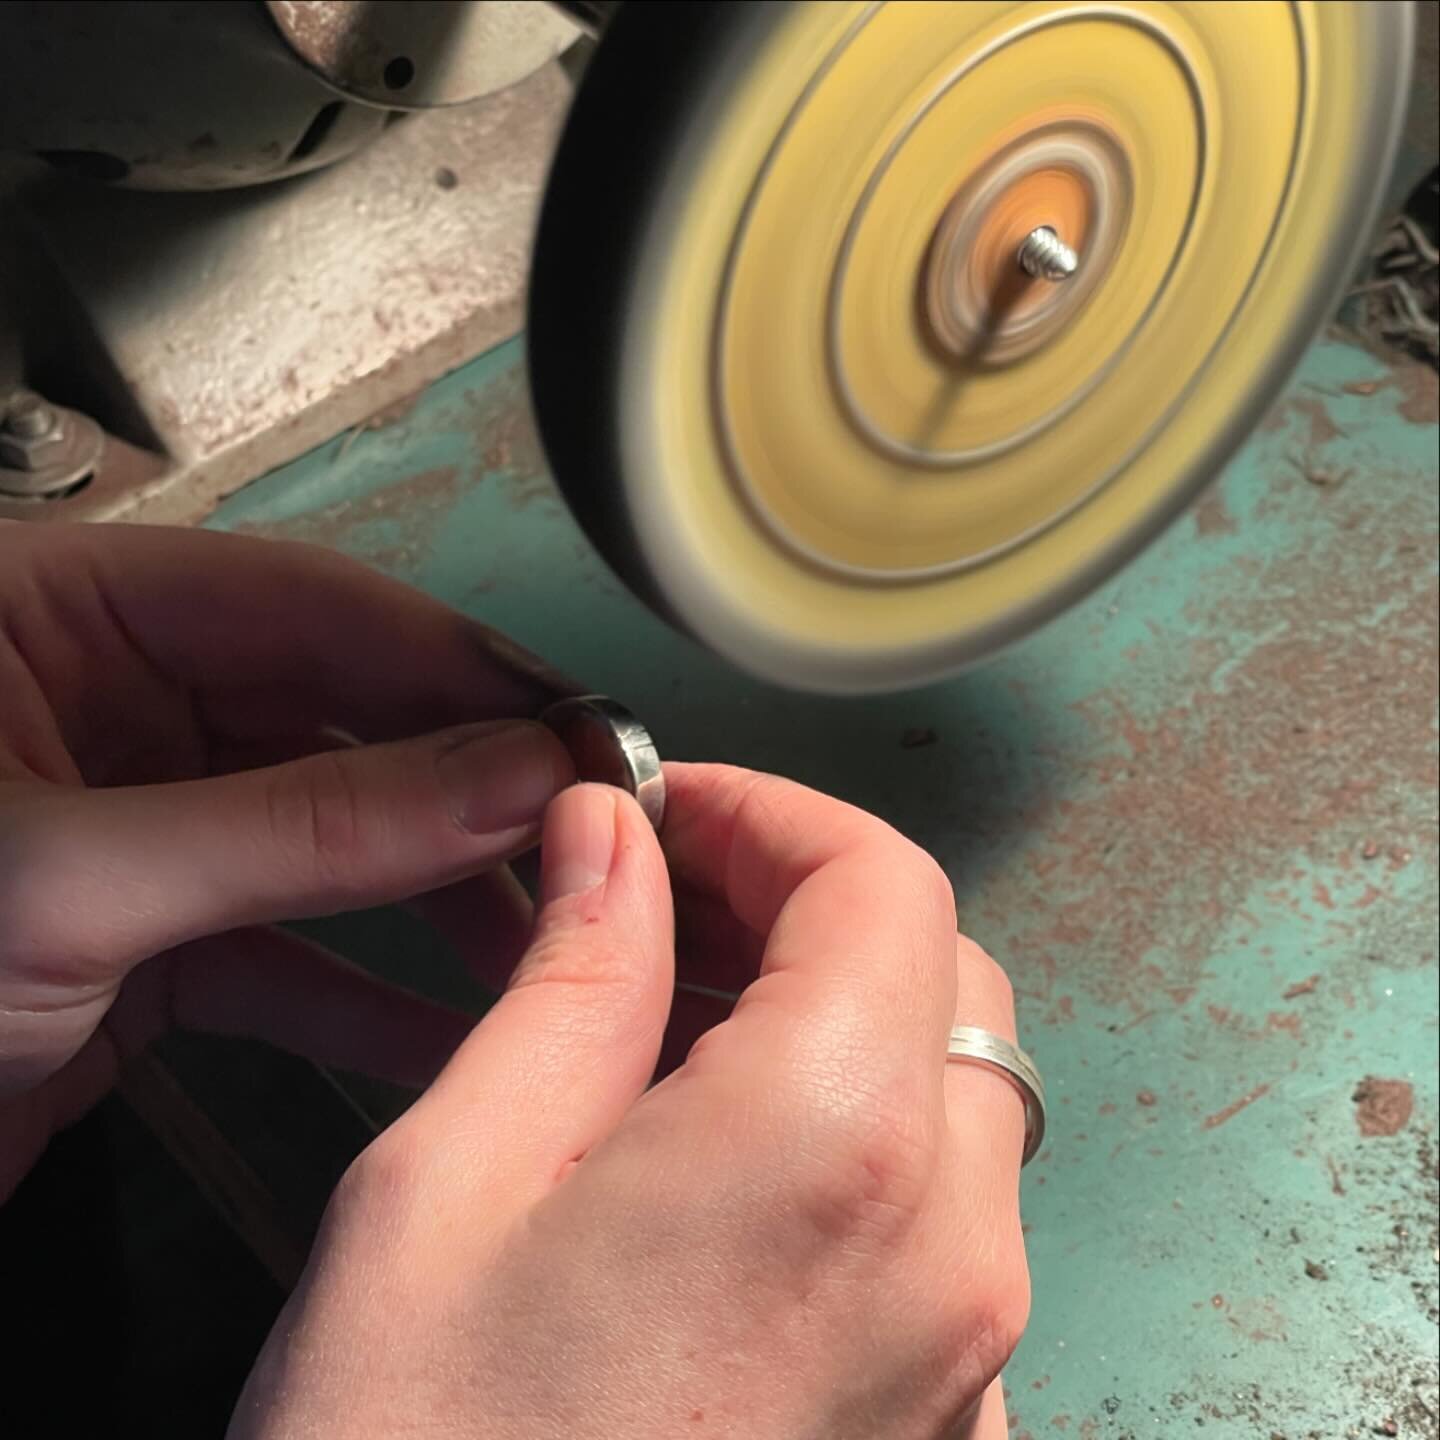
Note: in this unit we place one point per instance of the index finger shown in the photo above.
(860, 923)
(863, 973)
(264, 631)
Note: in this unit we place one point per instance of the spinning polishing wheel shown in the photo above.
(866, 337)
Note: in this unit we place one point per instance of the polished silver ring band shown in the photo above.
(973, 1046)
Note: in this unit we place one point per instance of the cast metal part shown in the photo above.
(45, 450)
(842, 423)
(591, 15)
(215, 94)
(168, 95)
(415, 54)
(279, 319)
(611, 747)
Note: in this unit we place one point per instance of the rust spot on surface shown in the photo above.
(1062, 1012)
(1147, 1098)
(1383, 1107)
(1321, 429)
(1337, 1185)
(1419, 388)
(1276, 420)
(1211, 515)
(1419, 392)
(1322, 730)
(1301, 987)
(1213, 1122)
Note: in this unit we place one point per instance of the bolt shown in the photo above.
(1046, 256)
(29, 417)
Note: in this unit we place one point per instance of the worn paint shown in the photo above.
(1195, 818)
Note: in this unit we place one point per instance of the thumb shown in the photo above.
(574, 1040)
(96, 880)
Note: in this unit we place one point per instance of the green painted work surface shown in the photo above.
(1195, 818)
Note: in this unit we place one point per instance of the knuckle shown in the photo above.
(984, 1331)
(998, 981)
(608, 987)
(385, 1181)
(790, 815)
(933, 890)
(381, 1218)
(766, 802)
(914, 880)
(42, 921)
(863, 1169)
(316, 817)
(978, 1324)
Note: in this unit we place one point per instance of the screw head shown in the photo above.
(1046, 256)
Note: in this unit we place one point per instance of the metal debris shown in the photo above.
(1397, 299)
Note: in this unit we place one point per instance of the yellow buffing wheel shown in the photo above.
(864, 338)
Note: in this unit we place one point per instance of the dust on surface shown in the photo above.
(368, 526)
(396, 525)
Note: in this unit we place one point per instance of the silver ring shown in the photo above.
(973, 1046)
(609, 745)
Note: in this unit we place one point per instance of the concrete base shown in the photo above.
(218, 335)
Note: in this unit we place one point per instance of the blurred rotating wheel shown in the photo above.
(865, 338)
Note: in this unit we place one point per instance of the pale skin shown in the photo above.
(806, 1227)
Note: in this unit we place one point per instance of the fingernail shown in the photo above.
(502, 777)
(579, 842)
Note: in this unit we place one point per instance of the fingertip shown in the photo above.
(599, 853)
(630, 820)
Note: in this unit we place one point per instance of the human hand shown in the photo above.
(174, 776)
(808, 1229)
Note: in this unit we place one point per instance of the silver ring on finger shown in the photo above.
(970, 1045)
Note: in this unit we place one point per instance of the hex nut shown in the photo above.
(34, 452)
